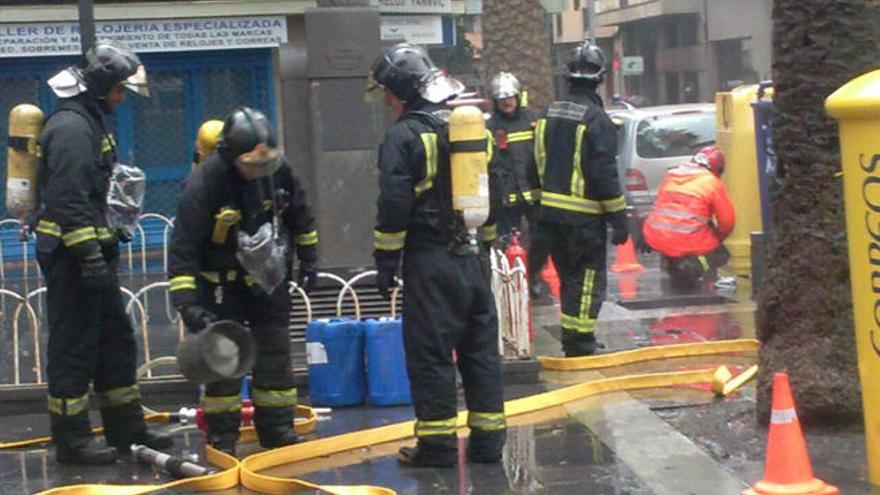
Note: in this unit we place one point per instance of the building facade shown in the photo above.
(677, 51)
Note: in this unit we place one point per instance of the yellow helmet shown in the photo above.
(206, 140)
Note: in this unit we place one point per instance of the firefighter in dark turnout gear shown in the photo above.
(90, 335)
(513, 127)
(575, 148)
(244, 186)
(448, 304)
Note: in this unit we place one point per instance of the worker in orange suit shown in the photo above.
(691, 218)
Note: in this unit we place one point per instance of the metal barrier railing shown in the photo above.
(509, 285)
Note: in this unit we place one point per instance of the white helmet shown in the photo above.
(504, 85)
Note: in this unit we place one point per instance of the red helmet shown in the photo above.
(711, 158)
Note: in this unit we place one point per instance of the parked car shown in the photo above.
(650, 141)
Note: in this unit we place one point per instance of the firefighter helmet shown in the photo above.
(108, 64)
(504, 85)
(408, 72)
(710, 158)
(249, 140)
(587, 62)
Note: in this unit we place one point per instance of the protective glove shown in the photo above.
(307, 276)
(385, 281)
(196, 318)
(94, 269)
(620, 230)
(386, 268)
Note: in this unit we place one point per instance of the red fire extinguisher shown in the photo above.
(514, 252)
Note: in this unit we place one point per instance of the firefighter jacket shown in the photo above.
(77, 155)
(514, 162)
(215, 203)
(692, 213)
(575, 152)
(415, 199)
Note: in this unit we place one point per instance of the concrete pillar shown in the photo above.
(331, 133)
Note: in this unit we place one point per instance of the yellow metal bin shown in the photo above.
(857, 106)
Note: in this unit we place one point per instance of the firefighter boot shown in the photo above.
(575, 344)
(153, 439)
(74, 443)
(124, 425)
(276, 438)
(274, 426)
(223, 443)
(486, 447)
(223, 430)
(440, 451)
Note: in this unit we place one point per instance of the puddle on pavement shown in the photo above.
(559, 456)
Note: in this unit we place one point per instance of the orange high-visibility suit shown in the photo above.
(692, 214)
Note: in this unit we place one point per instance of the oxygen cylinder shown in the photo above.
(469, 165)
(206, 139)
(25, 125)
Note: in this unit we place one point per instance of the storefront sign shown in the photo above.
(415, 6)
(211, 33)
(418, 29)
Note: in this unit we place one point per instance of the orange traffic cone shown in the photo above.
(788, 470)
(551, 278)
(627, 285)
(626, 260)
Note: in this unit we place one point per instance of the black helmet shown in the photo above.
(249, 139)
(407, 71)
(587, 62)
(107, 64)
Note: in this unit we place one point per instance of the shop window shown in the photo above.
(157, 133)
(223, 89)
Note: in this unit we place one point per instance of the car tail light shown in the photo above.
(635, 180)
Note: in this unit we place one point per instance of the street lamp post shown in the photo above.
(591, 12)
(86, 24)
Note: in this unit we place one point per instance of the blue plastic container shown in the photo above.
(387, 382)
(335, 353)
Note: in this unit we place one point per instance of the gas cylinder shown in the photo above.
(515, 251)
(206, 139)
(469, 166)
(25, 125)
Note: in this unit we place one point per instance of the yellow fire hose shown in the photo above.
(648, 354)
(247, 471)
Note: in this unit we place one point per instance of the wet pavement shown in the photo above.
(677, 440)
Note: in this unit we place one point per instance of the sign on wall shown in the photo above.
(208, 33)
(633, 66)
(418, 29)
(416, 6)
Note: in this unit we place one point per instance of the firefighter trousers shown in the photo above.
(273, 392)
(90, 340)
(579, 254)
(448, 305)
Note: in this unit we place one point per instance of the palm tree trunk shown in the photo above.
(805, 310)
(516, 38)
